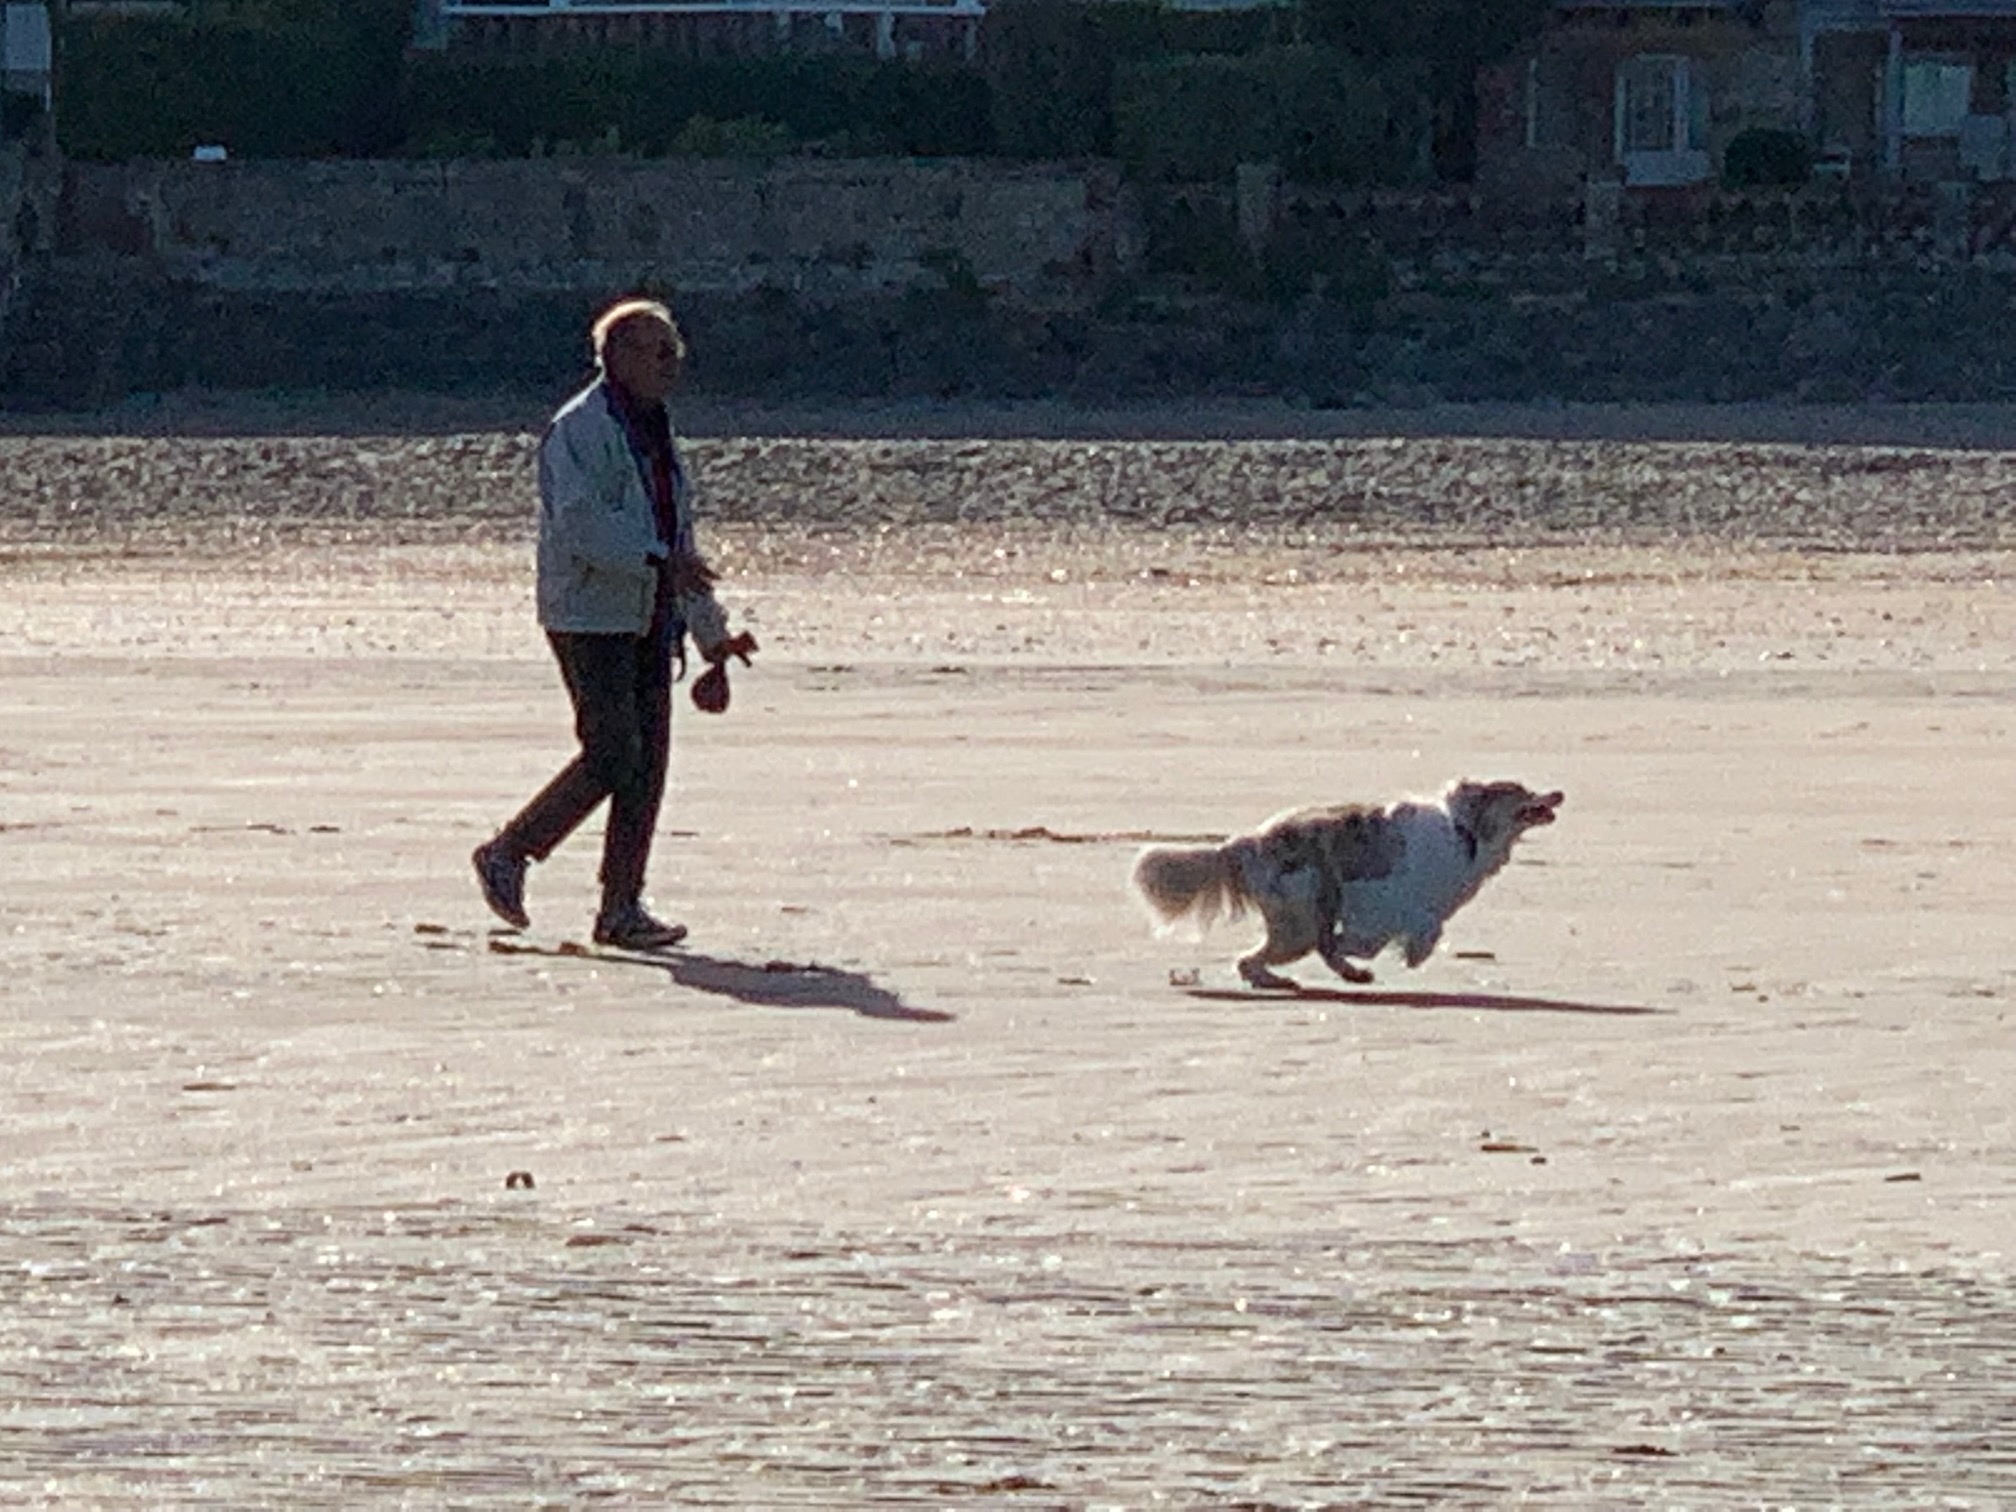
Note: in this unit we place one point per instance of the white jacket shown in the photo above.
(599, 547)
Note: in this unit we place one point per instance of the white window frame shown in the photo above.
(1683, 159)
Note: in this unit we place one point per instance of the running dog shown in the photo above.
(1349, 880)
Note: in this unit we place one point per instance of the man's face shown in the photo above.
(642, 357)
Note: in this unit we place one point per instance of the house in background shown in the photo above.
(1648, 93)
(1922, 90)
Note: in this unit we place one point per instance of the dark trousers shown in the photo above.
(621, 686)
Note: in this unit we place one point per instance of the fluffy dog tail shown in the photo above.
(1199, 882)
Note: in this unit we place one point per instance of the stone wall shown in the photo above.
(877, 281)
(28, 195)
(27, 210)
(1039, 236)
(12, 162)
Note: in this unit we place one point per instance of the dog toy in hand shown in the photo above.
(710, 688)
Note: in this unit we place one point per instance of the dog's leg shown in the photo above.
(1333, 956)
(1255, 971)
(1292, 932)
(1421, 946)
(1329, 944)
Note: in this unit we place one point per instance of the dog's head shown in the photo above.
(1494, 814)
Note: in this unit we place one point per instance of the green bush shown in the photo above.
(1323, 116)
(1764, 155)
(651, 99)
(1052, 64)
(323, 78)
(318, 79)
(1050, 70)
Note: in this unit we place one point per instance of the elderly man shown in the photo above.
(621, 585)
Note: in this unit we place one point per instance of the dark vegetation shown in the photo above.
(1332, 90)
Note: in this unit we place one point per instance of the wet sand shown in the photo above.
(929, 1175)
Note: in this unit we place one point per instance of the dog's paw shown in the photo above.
(1259, 976)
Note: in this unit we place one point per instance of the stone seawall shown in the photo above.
(846, 281)
(12, 161)
(814, 230)
(28, 195)
(833, 277)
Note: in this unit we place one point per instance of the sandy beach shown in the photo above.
(1683, 1176)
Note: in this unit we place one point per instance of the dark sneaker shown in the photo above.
(631, 928)
(501, 875)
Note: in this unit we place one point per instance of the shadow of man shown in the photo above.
(788, 984)
(773, 984)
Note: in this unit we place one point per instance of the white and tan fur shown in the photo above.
(1348, 880)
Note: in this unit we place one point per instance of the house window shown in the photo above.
(1656, 107)
(1661, 121)
(1937, 92)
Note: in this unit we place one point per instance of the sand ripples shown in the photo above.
(446, 1355)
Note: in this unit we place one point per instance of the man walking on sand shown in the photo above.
(621, 584)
